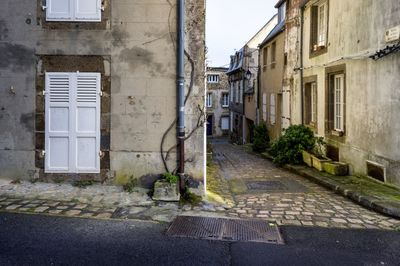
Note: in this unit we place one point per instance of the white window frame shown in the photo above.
(212, 78)
(73, 14)
(322, 22)
(209, 99)
(338, 102)
(225, 99)
(272, 110)
(314, 99)
(264, 107)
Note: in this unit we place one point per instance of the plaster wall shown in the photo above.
(139, 38)
(356, 30)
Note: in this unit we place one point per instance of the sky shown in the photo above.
(231, 23)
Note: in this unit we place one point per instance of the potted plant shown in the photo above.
(166, 189)
(336, 168)
(317, 157)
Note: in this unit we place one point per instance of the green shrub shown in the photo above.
(261, 138)
(170, 178)
(287, 149)
(131, 184)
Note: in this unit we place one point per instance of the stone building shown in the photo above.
(88, 89)
(243, 79)
(273, 100)
(349, 89)
(217, 102)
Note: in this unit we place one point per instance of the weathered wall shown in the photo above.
(271, 82)
(356, 30)
(217, 90)
(139, 38)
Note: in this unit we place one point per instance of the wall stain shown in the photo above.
(16, 56)
(28, 120)
(3, 30)
(138, 57)
(119, 37)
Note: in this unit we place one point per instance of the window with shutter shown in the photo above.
(272, 111)
(224, 123)
(73, 10)
(72, 123)
(264, 107)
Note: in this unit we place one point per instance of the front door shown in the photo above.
(209, 125)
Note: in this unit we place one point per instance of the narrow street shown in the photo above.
(262, 190)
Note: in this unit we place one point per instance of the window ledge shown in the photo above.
(337, 133)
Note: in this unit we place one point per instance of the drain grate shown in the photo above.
(225, 229)
(283, 185)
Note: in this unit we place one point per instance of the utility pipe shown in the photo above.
(301, 61)
(181, 92)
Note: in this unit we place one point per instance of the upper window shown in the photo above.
(209, 99)
(73, 10)
(225, 100)
(265, 58)
(319, 26)
(273, 55)
(212, 78)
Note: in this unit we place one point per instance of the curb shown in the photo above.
(370, 202)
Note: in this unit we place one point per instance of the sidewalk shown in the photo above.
(362, 190)
(94, 201)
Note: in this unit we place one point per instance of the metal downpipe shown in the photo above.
(181, 92)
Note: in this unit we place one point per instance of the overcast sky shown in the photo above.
(231, 23)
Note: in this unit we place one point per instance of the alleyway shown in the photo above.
(260, 189)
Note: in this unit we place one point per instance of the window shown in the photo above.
(319, 26)
(232, 93)
(264, 107)
(273, 55)
(237, 91)
(338, 103)
(73, 10)
(272, 111)
(282, 12)
(265, 58)
(241, 91)
(225, 123)
(212, 78)
(231, 121)
(310, 103)
(225, 100)
(72, 122)
(209, 99)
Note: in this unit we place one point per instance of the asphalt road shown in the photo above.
(43, 240)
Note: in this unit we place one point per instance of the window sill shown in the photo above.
(317, 50)
(337, 133)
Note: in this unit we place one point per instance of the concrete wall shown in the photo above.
(356, 29)
(271, 82)
(217, 90)
(139, 38)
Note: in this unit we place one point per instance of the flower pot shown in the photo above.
(336, 168)
(165, 191)
(307, 158)
(318, 163)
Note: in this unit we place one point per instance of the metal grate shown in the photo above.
(225, 229)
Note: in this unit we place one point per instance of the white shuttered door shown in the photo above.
(88, 10)
(72, 123)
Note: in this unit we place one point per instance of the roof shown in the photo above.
(217, 69)
(280, 2)
(276, 31)
(236, 61)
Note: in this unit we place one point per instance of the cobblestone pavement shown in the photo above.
(95, 201)
(262, 190)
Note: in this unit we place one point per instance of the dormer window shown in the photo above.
(282, 12)
(212, 78)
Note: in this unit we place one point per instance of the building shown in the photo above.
(273, 100)
(243, 79)
(349, 90)
(90, 93)
(217, 102)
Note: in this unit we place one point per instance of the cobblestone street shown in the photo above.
(262, 190)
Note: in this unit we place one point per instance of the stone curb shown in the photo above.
(369, 202)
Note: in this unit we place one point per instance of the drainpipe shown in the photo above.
(301, 62)
(258, 85)
(181, 91)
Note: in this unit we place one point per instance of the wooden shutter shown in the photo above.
(272, 113)
(59, 10)
(314, 27)
(87, 10)
(72, 123)
(57, 122)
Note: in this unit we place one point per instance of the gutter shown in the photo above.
(181, 92)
